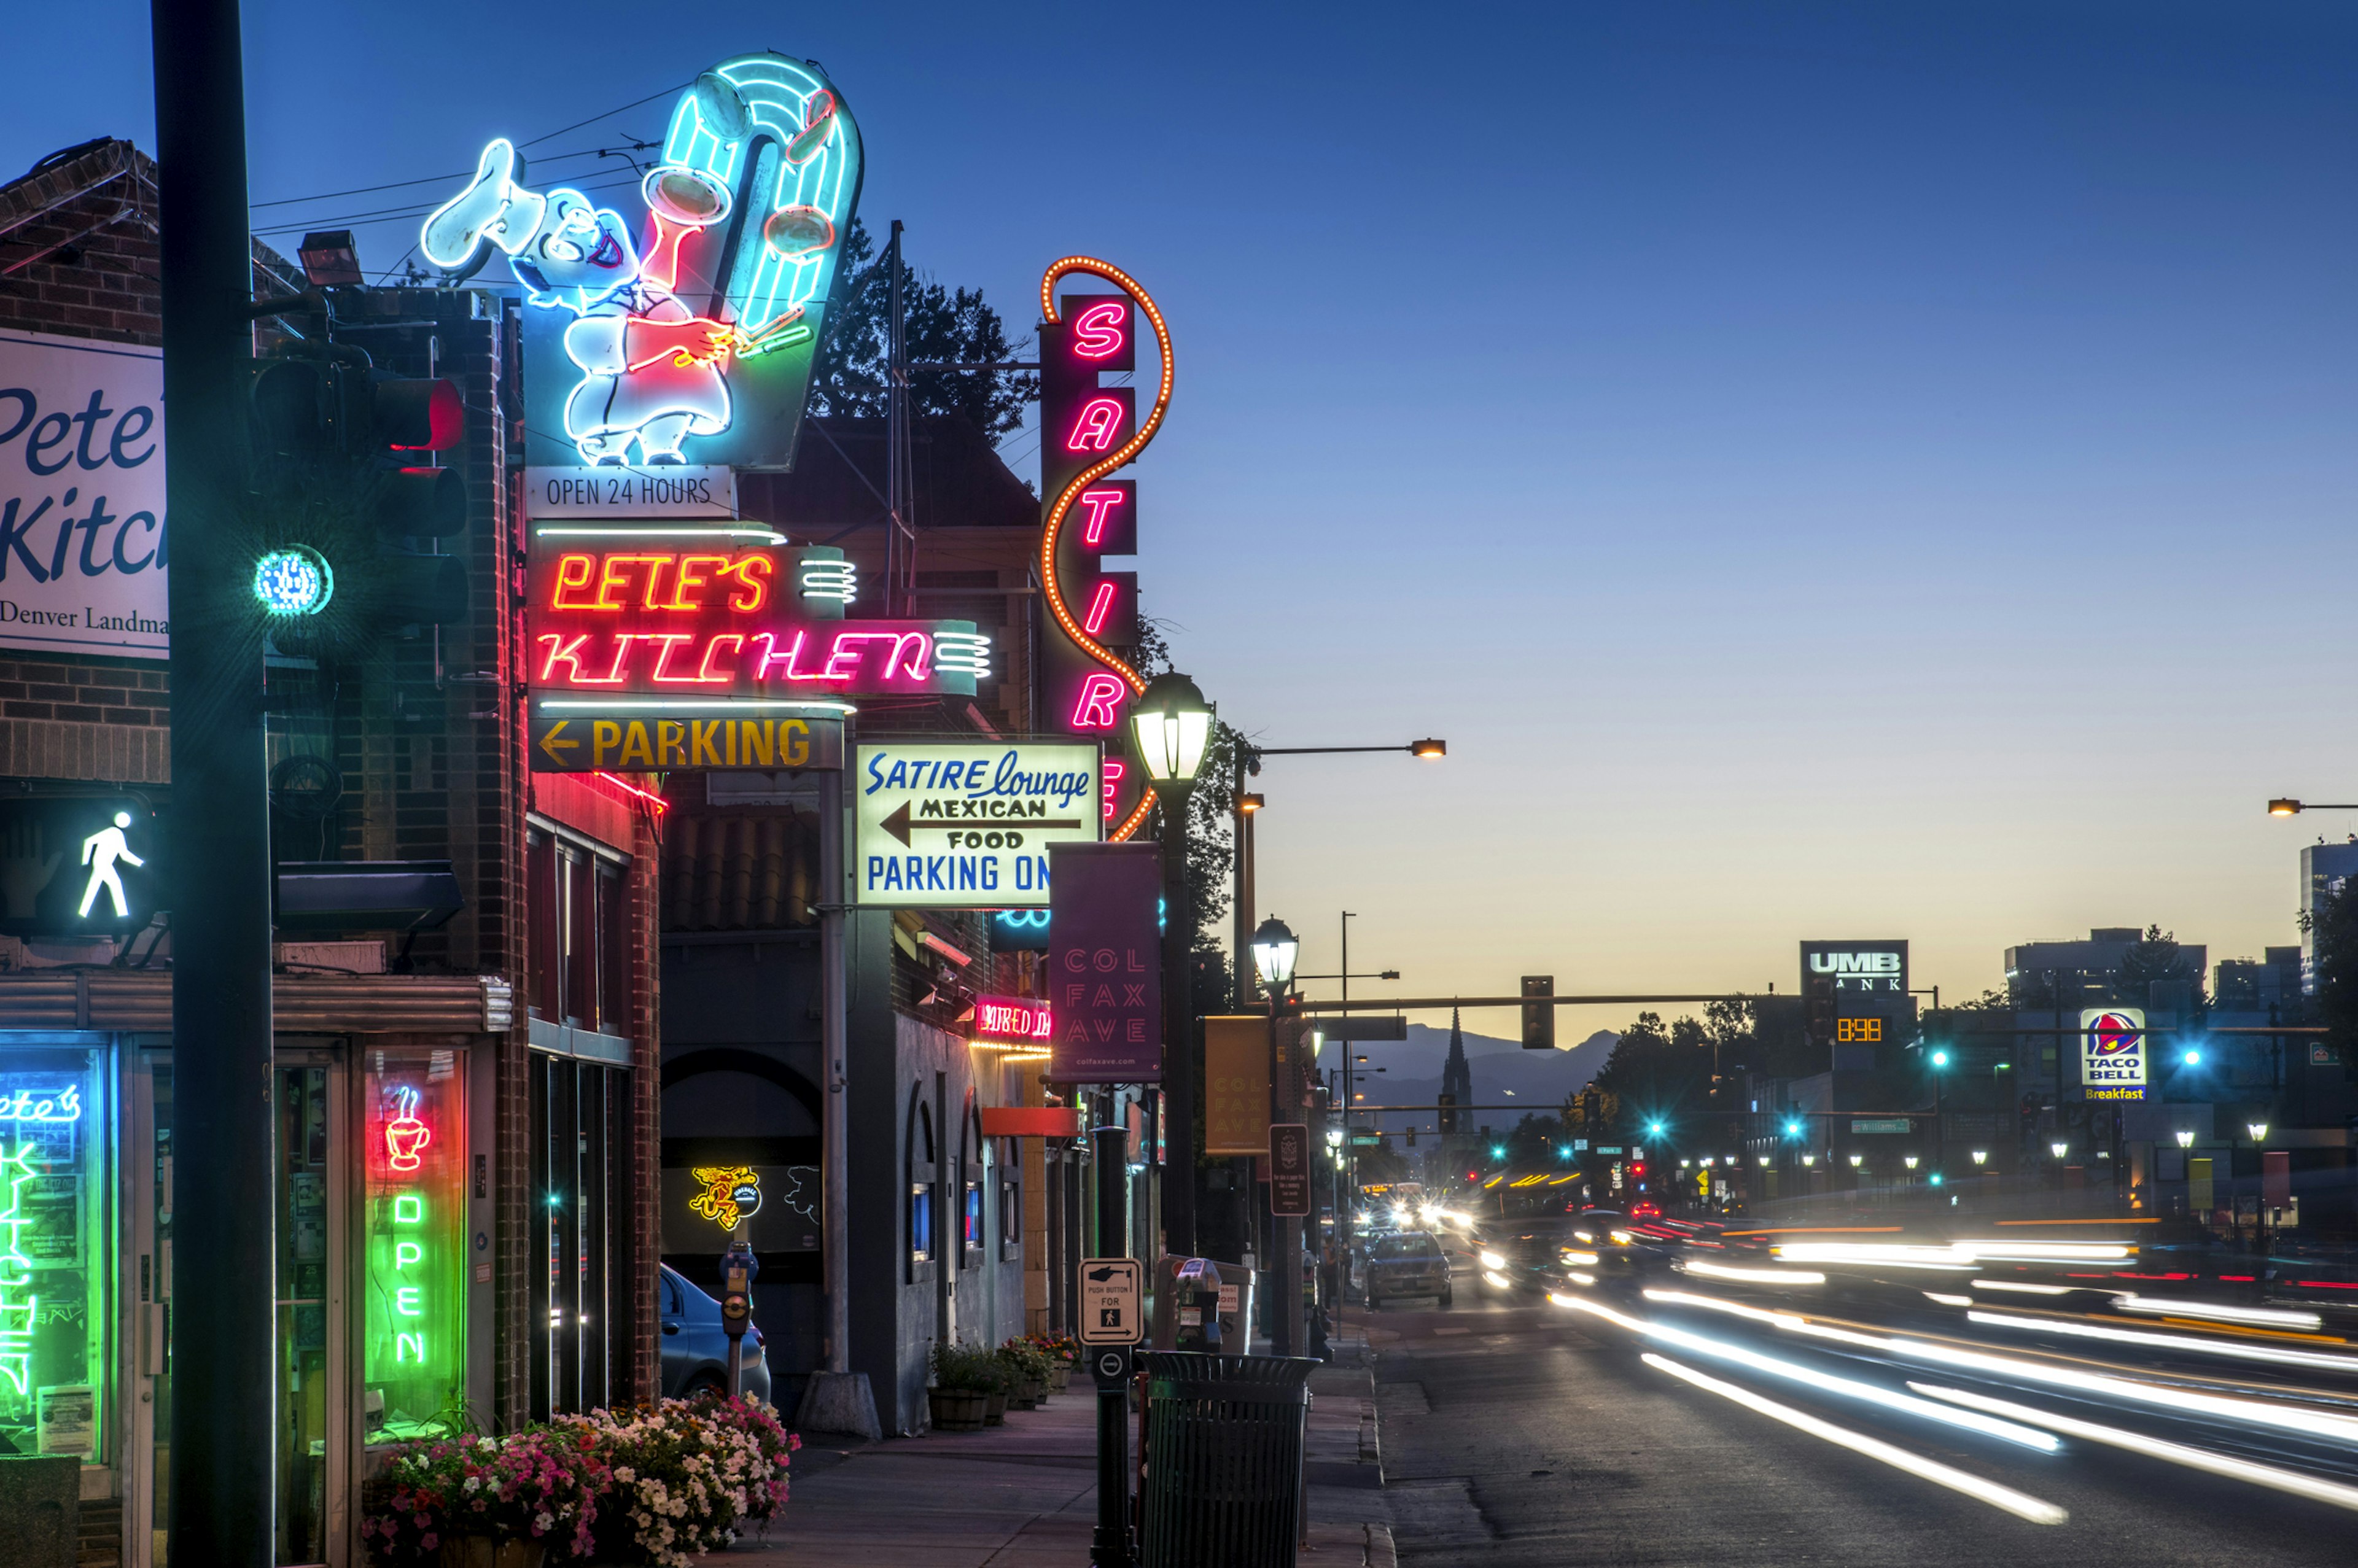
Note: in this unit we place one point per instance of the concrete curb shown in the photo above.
(1381, 1552)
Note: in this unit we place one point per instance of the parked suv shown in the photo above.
(694, 1350)
(1407, 1263)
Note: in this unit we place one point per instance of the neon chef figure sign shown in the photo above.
(635, 617)
(691, 340)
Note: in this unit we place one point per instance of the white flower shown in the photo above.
(474, 1484)
(543, 1520)
(625, 1474)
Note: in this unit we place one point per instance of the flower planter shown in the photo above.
(995, 1413)
(1060, 1377)
(959, 1410)
(483, 1551)
(1035, 1395)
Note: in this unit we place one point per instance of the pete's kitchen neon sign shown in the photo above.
(645, 614)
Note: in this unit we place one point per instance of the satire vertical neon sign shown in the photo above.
(1099, 437)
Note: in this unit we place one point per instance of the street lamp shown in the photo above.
(1274, 948)
(1911, 1161)
(2259, 1129)
(1856, 1161)
(1980, 1156)
(1170, 723)
(2295, 807)
(2185, 1136)
(2058, 1149)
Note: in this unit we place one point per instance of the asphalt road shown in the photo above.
(1523, 1434)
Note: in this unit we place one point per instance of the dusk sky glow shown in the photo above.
(1829, 470)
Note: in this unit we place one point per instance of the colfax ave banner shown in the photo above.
(1105, 965)
(2111, 1053)
(967, 825)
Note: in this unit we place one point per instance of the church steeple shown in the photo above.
(1456, 1079)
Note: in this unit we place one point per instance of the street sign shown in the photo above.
(967, 825)
(1393, 1028)
(1289, 1170)
(593, 742)
(1112, 1307)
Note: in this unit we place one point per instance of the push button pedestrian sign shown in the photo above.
(1111, 1310)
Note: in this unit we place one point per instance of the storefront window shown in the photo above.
(54, 1253)
(414, 1327)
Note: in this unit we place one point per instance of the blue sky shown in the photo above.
(1828, 469)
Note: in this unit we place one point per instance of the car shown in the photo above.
(694, 1350)
(1645, 1211)
(1407, 1263)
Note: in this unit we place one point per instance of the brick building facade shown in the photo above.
(525, 1020)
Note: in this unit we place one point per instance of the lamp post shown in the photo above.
(1170, 723)
(1247, 762)
(1274, 950)
(1940, 1060)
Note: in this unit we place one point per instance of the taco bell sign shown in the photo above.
(1105, 964)
(82, 496)
(2112, 1051)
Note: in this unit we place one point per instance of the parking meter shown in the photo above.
(1198, 1283)
(738, 1268)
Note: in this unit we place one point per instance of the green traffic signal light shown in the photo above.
(1497, 1151)
(294, 581)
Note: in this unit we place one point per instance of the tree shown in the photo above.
(2333, 936)
(1211, 845)
(942, 325)
(1538, 1140)
(1655, 1072)
(2156, 958)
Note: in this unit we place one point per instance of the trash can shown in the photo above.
(1223, 1487)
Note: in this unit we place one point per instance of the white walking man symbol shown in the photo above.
(99, 852)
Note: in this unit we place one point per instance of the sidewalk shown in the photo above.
(1026, 1493)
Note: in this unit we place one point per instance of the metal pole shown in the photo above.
(1178, 1030)
(1289, 1289)
(1240, 978)
(896, 420)
(224, 1428)
(834, 1031)
(1110, 1547)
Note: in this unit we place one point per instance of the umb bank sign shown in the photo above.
(82, 496)
(1857, 969)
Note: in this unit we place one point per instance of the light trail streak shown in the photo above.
(2027, 1289)
(2020, 1503)
(2181, 1402)
(1764, 1276)
(2264, 1317)
(1720, 1349)
(2260, 1475)
(2246, 1352)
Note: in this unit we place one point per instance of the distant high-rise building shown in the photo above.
(2322, 868)
(1456, 1079)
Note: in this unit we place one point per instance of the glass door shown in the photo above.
(313, 1457)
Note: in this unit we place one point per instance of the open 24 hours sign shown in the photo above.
(947, 824)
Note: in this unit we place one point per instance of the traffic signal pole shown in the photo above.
(223, 1431)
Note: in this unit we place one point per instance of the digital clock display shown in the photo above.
(1859, 1031)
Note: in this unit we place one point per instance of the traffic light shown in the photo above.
(341, 501)
(1818, 1007)
(1539, 1017)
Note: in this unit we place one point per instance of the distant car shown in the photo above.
(1645, 1211)
(1407, 1263)
(694, 1350)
